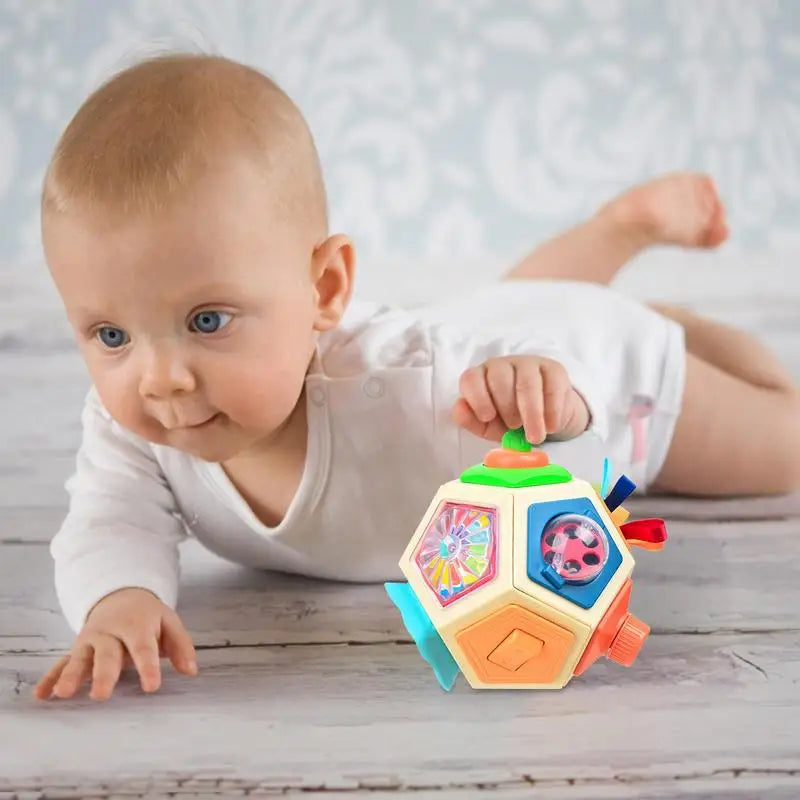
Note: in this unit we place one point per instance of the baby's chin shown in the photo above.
(212, 442)
(217, 445)
(217, 440)
(213, 453)
(206, 446)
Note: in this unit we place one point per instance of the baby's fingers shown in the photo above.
(556, 387)
(530, 400)
(475, 392)
(76, 671)
(177, 644)
(143, 649)
(44, 689)
(108, 652)
(464, 416)
(501, 379)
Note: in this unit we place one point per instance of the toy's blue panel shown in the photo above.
(592, 579)
(419, 625)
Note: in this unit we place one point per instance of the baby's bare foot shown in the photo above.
(681, 208)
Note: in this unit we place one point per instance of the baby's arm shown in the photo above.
(122, 530)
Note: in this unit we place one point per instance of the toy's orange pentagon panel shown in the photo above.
(514, 645)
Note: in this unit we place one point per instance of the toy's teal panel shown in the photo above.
(458, 552)
(420, 627)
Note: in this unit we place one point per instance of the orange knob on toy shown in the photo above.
(514, 459)
(628, 641)
(516, 452)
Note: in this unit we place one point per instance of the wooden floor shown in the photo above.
(307, 688)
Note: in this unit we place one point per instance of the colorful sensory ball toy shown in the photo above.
(519, 574)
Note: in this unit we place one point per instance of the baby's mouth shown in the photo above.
(207, 424)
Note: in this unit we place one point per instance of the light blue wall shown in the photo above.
(453, 127)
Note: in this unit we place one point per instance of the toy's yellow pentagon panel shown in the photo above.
(445, 612)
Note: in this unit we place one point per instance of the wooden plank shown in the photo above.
(725, 785)
(30, 523)
(710, 577)
(33, 499)
(41, 402)
(39, 430)
(40, 481)
(722, 785)
(317, 715)
(35, 480)
(724, 509)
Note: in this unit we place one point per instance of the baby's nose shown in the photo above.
(164, 373)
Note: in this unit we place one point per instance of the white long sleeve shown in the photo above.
(122, 528)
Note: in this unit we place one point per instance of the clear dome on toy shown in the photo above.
(575, 547)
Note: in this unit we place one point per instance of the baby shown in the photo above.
(240, 397)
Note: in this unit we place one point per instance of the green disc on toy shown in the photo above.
(516, 464)
(515, 478)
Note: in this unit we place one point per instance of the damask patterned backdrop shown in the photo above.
(454, 129)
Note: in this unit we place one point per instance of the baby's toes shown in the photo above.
(715, 229)
(717, 232)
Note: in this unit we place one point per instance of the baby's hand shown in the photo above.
(513, 391)
(131, 626)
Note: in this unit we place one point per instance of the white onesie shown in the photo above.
(380, 441)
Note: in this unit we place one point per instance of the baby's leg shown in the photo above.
(739, 428)
(730, 349)
(679, 208)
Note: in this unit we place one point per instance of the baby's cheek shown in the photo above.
(126, 408)
(261, 398)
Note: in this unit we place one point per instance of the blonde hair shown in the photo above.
(146, 134)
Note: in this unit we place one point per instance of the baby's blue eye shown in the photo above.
(113, 338)
(209, 321)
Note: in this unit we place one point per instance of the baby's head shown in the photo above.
(184, 223)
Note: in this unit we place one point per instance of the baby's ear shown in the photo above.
(332, 270)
